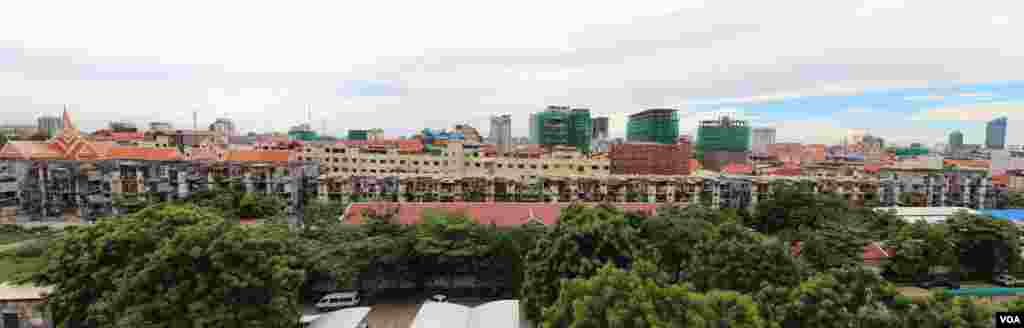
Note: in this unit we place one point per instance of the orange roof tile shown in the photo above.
(737, 168)
(146, 154)
(258, 156)
(1001, 179)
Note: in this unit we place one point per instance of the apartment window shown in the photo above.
(533, 166)
(556, 166)
(593, 167)
(401, 162)
(477, 164)
(335, 169)
(499, 165)
(373, 161)
(467, 164)
(522, 166)
(392, 161)
(436, 163)
(363, 160)
(606, 167)
(545, 166)
(415, 163)
(300, 158)
(373, 171)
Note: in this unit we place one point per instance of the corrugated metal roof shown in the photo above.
(1013, 214)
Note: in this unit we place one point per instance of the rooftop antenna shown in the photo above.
(195, 118)
(309, 117)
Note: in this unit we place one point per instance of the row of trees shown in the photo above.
(193, 264)
(601, 268)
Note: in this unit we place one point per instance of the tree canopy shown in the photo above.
(173, 266)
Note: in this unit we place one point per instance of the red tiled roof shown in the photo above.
(501, 214)
(143, 153)
(694, 165)
(872, 251)
(258, 155)
(872, 168)
(127, 136)
(1002, 179)
(410, 145)
(737, 168)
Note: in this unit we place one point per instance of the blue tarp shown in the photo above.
(1015, 214)
(986, 291)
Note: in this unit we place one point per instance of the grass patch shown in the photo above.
(13, 267)
(13, 237)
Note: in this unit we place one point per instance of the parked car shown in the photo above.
(1005, 280)
(439, 298)
(334, 301)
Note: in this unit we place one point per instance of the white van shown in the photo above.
(336, 301)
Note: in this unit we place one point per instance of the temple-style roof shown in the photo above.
(68, 145)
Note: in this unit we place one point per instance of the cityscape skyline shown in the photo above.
(932, 114)
(853, 70)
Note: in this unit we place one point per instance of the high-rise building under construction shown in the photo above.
(722, 141)
(660, 125)
(560, 125)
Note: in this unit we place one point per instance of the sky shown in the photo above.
(909, 71)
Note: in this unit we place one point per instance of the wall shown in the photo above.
(650, 158)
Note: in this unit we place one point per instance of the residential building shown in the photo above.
(501, 133)
(18, 131)
(762, 137)
(50, 125)
(787, 152)
(600, 128)
(225, 127)
(469, 133)
(161, 126)
(658, 125)
(79, 179)
(926, 214)
(995, 133)
(650, 159)
(123, 126)
(929, 187)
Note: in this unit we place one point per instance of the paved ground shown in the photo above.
(392, 315)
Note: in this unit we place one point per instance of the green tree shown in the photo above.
(672, 237)
(321, 216)
(921, 247)
(943, 310)
(794, 208)
(584, 239)
(832, 247)
(837, 298)
(620, 298)
(741, 260)
(173, 266)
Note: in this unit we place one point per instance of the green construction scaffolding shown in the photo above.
(358, 134)
(655, 125)
(561, 126)
(723, 134)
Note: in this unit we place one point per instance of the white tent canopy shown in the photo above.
(497, 314)
(344, 318)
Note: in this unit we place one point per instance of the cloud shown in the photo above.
(427, 65)
(972, 112)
